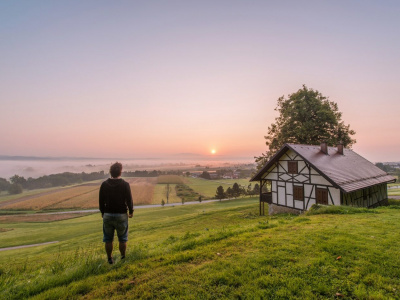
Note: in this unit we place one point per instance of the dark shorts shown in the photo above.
(112, 222)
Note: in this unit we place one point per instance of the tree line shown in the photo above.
(236, 191)
(154, 173)
(16, 183)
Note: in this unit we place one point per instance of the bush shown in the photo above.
(317, 209)
(15, 188)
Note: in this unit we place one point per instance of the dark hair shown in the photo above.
(115, 170)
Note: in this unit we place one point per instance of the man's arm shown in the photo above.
(101, 200)
(129, 200)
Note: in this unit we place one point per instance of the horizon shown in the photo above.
(127, 79)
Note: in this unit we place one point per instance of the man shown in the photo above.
(115, 199)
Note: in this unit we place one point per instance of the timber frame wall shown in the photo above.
(282, 183)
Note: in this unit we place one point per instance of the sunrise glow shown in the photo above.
(213, 151)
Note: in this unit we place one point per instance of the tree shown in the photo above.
(229, 192)
(16, 179)
(236, 190)
(256, 189)
(4, 184)
(306, 117)
(167, 191)
(220, 194)
(205, 175)
(249, 190)
(200, 198)
(15, 188)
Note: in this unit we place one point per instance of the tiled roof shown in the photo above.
(348, 172)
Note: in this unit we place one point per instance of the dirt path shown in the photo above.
(24, 198)
(26, 246)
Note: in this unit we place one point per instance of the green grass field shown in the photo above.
(220, 250)
(208, 188)
(145, 190)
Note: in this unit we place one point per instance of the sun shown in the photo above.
(213, 151)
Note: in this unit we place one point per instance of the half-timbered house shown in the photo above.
(299, 176)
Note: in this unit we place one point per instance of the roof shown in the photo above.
(348, 172)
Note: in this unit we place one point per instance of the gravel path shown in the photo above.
(26, 246)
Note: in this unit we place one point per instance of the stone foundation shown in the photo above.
(274, 209)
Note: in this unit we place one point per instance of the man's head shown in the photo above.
(115, 170)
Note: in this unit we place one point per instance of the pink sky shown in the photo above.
(122, 79)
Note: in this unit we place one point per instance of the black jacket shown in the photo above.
(115, 197)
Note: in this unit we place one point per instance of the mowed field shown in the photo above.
(219, 250)
(145, 190)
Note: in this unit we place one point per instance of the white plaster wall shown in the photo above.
(311, 203)
(319, 180)
(272, 176)
(298, 204)
(289, 200)
(289, 188)
(301, 164)
(281, 195)
(273, 189)
(307, 190)
(335, 195)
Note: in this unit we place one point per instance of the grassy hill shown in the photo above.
(208, 251)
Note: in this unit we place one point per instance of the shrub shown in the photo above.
(15, 188)
(317, 209)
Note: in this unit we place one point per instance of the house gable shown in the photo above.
(285, 186)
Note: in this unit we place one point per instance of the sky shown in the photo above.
(152, 78)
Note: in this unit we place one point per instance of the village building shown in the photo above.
(302, 175)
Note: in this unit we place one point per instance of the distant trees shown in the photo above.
(236, 191)
(52, 180)
(4, 184)
(16, 179)
(256, 189)
(205, 175)
(15, 188)
(229, 192)
(306, 117)
(220, 193)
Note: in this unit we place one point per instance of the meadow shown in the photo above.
(145, 190)
(216, 250)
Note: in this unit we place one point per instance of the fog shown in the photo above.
(39, 167)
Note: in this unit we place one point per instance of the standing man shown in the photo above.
(115, 200)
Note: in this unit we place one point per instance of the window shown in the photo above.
(298, 193)
(322, 196)
(293, 167)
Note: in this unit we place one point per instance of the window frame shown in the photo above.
(297, 191)
(324, 191)
(293, 167)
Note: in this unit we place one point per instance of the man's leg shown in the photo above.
(109, 250)
(122, 249)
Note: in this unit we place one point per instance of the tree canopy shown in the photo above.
(306, 117)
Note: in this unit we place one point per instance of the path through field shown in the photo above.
(25, 198)
(27, 246)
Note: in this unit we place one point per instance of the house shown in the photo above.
(302, 175)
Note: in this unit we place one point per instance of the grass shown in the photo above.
(208, 188)
(394, 192)
(172, 179)
(218, 250)
(144, 190)
(52, 200)
(160, 194)
(184, 192)
(338, 210)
